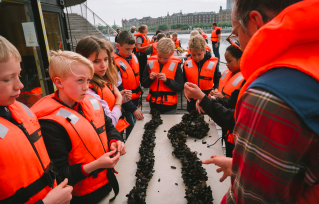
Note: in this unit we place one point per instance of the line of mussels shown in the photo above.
(145, 165)
(193, 174)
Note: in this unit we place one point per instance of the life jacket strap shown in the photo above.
(137, 90)
(161, 93)
(205, 78)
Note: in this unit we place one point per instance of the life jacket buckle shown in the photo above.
(50, 175)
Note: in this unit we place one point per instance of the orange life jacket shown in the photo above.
(204, 79)
(107, 94)
(146, 41)
(154, 45)
(30, 97)
(204, 35)
(214, 36)
(159, 92)
(154, 57)
(291, 52)
(23, 160)
(152, 41)
(177, 42)
(229, 82)
(130, 74)
(87, 135)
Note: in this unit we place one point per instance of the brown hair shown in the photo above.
(7, 50)
(197, 42)
(125, 38)
(244, 7)
(174, 34)
(90, 44)
(160, 36)
(200, 31)
(141, 30)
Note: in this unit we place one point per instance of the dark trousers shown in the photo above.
(216, 50)
(131, 120)
(142, 60)
(229, 146)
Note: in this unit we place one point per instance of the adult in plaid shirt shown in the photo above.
(276, 156)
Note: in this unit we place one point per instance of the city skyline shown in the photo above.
(143, 8)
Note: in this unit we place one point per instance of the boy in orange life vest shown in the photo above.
(128, 66)
(200, 69)
(152, 50)
(177, 42)
(232, 78)
(79, 137)
(24, 158)
(164, 78)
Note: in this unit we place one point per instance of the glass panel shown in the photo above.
(52, 27)
(12, 15)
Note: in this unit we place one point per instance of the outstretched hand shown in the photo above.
(225, 164)
(193, 91)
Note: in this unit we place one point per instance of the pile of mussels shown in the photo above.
(193, 174)
(145, 165)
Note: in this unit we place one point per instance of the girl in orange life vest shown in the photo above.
(79, 137)
(201, 32)
(231, 78)
(164, 77)
(152, 50)
(200, 69)
(177, 42)
(24, 158)
(142, 43)
(103, 84)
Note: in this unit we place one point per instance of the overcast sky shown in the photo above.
(116, 10)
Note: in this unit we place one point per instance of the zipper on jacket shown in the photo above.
(21, 126)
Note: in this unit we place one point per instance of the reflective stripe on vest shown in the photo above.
(237, 80)
(123, 66)
(211, 65)
(87, 135)
(224, 74)
(160, 93)
(3, 131)
(190, 63)
(136, 61)
(234, 82)
(95, 103)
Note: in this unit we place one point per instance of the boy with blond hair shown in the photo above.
(25, 164)
(164, 78)
(79, 137)
(177, 42)
(200, 68)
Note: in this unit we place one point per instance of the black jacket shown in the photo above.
(58, 144)
(176, 85)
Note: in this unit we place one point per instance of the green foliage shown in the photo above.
(183, 26)
(153, 28)
(224, 24)
(163, 26)
(202, 25)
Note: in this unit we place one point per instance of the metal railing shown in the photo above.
(84, 11)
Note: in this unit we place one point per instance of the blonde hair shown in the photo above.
(197, 42)
(7, 50)
(174, 34)
(141, 30)
(165, 46)
(199, 30)
(62, 63)
(91, 44)
(194, 32)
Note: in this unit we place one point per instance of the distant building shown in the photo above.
(224, 15)
(189, 18)
(229, 5)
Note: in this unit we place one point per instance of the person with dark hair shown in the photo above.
(215, 38)
(154, 38)
(118, 32)
(276, 135)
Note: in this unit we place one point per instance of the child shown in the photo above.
(152, 50)
(231, 78)
(128, 66)
(168, 35)
(79, 137)
(25, 164)
(103, 84)
(164, 78)
(200, 68)
(201, 32)
(176, 41)
(221, 110)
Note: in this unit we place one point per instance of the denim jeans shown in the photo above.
(216, 50)
(131, 120)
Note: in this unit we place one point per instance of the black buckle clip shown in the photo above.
(50, 174)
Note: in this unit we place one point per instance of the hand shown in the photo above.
(138, 114)
(106, 162)
(162, 76)
(199, 108)
(216, 45)
(117, 94)
(153, 75)
(119, 146)
(60, 194)
(215, 93)
(193, 91)
(223, 162)
(186, 97)
(127, 95)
